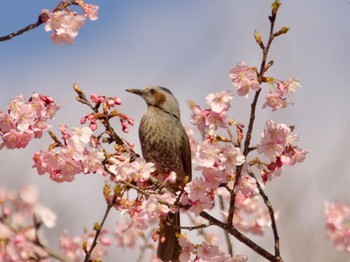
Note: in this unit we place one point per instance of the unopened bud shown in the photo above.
(258, 39)
(275, 6)
(77, 89)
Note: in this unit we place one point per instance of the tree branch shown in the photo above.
(238, 235)
(98, 230)
(271, 213)
(248, 136)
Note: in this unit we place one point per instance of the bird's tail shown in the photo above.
(168, 246)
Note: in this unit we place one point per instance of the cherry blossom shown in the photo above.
(72, 247)
(66, 23)
(186, 248)
(274, 139)
(245, 79)
(199, 116)
(337, 223)
(230, 158)
(275, 101)
(126, 234)
(205, 252)
(26, 120)
(291, 85)
(278, 96)
(17, 229)
(91, 11)
(219, 101)
(79, 154)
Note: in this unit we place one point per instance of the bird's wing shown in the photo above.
(186, 155)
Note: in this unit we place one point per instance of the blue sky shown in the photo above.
(189, 47)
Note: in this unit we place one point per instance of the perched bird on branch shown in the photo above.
(165, 143)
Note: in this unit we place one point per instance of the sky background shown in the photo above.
(189, 47)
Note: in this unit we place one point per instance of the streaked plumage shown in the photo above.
(165, 143)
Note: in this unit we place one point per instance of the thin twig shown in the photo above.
(272, 215)
(99, 229)
(238, 235)
(201, 231)
(227, 236)
(104, 120)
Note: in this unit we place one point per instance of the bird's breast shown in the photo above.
(160, 135)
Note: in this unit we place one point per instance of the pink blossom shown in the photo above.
(196, 189)
(6, 122)
(25, 120)
(291, 85)
(245, 79)
(17, 231)
(25, 117)
(126, 235)
(65, 25)
(274, 139)
(154, 209)
(295, 155)
(171, 178)
(219, 101)
(207, 251)
(91, 11)
(79, 153)
(46, 216)
(15, 139)
(230, 158)
(207, 154)
(120, 166)
(186, 248)
(213, 177)
(142, 169)
(246, 186)
(29, 194)
(198, 195)
(269, 175)
(337, 223)
(71, 248)
(15, 105)
(215, 120)
(198, 206)
(274, 100)
(198, 117)
(93, 162)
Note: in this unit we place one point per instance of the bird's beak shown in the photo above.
(134, 91)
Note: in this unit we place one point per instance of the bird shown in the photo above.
(165, 143)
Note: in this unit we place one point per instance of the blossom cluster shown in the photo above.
(205, 251)
(107, 103)
(66, 23)
(276, 145)
(20, 218)
(338, 224)
(26, 120)
(278, 97)
(74, 247)
(79, 153)
(217, 164)
(245, 79)
(141, 214)
(215, 117)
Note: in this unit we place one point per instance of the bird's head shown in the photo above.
(159, 97)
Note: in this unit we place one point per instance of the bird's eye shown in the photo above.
(153, 91)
